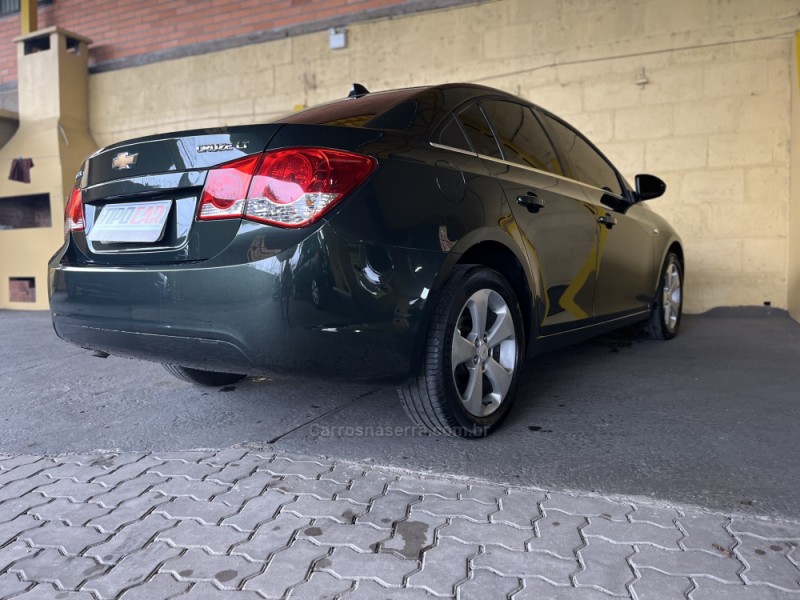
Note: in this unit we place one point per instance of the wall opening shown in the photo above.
(40, 44)
(25, 212)
(73, 45)
(22, 289)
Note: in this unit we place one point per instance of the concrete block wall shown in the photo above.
(716, 128)
(695, 91)
(122, 30)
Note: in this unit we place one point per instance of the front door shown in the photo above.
(624, 277)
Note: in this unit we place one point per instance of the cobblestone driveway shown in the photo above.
(239, 524)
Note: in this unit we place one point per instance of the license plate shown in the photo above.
(131, 222)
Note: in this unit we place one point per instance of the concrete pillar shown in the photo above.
(29, 16)
(794, 193)
(53, 80)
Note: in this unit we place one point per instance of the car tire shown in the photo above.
(469, 371)
(205, 378)
(665, 318)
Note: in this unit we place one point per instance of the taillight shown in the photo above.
(295, 187)
(73, 214)
(289, 188)
(226, 188)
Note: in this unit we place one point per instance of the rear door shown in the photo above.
(556, 222)
(625, 239)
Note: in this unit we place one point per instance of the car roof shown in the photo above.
(414, 109)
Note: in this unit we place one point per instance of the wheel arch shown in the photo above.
(675, 246)
(486, 249)
(501, 258)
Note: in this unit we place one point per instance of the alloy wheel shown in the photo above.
(672, 297)
(484, 352)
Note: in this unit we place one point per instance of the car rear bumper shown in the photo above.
(244, 314)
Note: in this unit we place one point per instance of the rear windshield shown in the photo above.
(383, 110)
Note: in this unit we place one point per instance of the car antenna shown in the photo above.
(357, 91)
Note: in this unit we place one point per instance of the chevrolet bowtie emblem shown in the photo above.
(123, 160)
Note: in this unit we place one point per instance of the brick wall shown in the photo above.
(125, 29)
(22, 289)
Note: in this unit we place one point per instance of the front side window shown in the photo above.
(521, 136)
(589, 165)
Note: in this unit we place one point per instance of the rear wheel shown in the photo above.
(473, 357)
(666, 316)
(207, 378)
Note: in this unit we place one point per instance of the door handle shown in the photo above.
(607, 220)
(531, 201)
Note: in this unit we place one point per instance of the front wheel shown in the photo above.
(206, 378)
(473, 357)
(668, 308)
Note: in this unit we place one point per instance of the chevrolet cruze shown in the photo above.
(438, 236)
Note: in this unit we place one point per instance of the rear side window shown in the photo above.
(453, 136)
(479, 131)
(589, 165)
(521, 136)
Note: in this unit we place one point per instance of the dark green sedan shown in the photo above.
(437, 236)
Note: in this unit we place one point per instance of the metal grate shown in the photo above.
(9, 7)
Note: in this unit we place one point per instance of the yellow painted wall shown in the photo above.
(713, 118)
(25, 252)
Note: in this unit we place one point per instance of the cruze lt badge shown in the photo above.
(223, 146)
(123, 160)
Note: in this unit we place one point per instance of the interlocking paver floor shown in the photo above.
(239, 524)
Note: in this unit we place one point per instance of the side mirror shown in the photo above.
(649, 187)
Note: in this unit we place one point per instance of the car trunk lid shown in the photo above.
(141, 197)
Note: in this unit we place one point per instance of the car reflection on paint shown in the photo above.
(312, 277)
